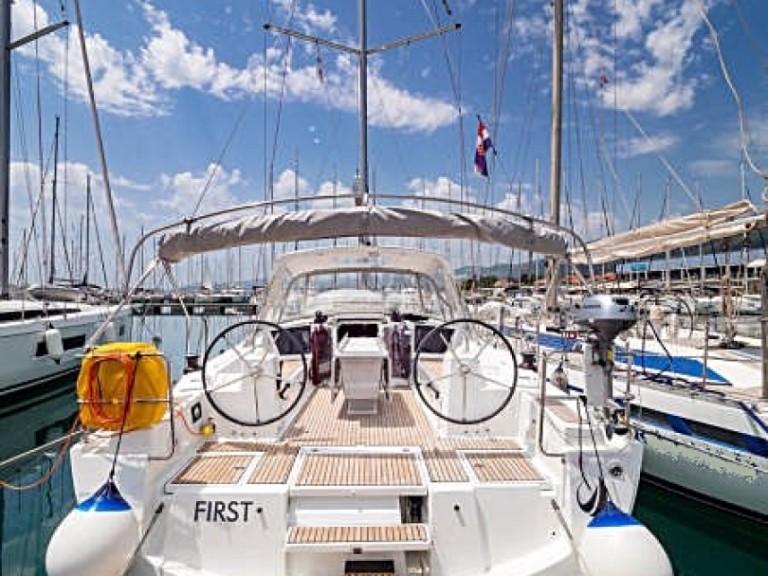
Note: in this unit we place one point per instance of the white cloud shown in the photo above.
(442, 187)
(654, 49)
(631, 147)
(121, 83)
(141, 83)
(186, 189)
(307, 17)
(332, 189)
(288, 185)
(713, 167)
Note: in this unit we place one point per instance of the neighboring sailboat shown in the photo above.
(42, 340)
(698, 397)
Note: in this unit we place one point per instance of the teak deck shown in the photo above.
(324, 425)
(332, 534)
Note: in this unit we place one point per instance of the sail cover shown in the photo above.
(360, 221)
(727, 221)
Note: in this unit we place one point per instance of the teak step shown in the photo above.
(368, 538)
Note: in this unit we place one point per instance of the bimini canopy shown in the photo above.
(676, 233)
(360, 221)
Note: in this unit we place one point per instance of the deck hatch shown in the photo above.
(214, 469)
(349, 469)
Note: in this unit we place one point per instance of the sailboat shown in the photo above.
(42, 340)
(701, 400)
(361, 423)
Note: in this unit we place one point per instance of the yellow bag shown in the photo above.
(122, 380)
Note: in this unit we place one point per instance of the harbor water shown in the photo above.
(701, 540)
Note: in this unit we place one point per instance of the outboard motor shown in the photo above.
(614, 543)
(604, 316)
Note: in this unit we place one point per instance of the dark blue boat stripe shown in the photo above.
(680, 365)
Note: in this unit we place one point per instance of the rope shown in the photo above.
(743, 128)
(281, 101)
(180, 413)
(131, 372)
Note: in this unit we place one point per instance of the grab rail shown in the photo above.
(35, 451)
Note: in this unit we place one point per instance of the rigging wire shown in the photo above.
(224, 149)
(696, 201)
(744, 138)
(31, 237)
(454, 74)
(573, 101)
(750, 35)
(332, 147)
(596, 133)
(281, 101)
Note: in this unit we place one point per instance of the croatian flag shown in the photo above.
(483, 145)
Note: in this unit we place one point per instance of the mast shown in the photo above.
(5, 130)
(88, 201)
(362, 51)
(5, 141)
(363, 95)
(555, 149)
(52, 264)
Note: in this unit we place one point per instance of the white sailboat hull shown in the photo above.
(702, 471)
(25, 359)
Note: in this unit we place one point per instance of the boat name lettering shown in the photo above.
(222, 510)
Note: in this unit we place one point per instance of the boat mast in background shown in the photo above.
(5, 130)
(5, 141)
(555, 144)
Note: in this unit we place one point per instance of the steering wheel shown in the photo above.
(464, 340)
(252, 342)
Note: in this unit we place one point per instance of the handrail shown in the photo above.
(543, 401)
(35, 451)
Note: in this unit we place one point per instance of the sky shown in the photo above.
(201, 108)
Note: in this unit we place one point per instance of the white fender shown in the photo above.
(98, 538)
(110, 333)
(616, 544)
(54, 344)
